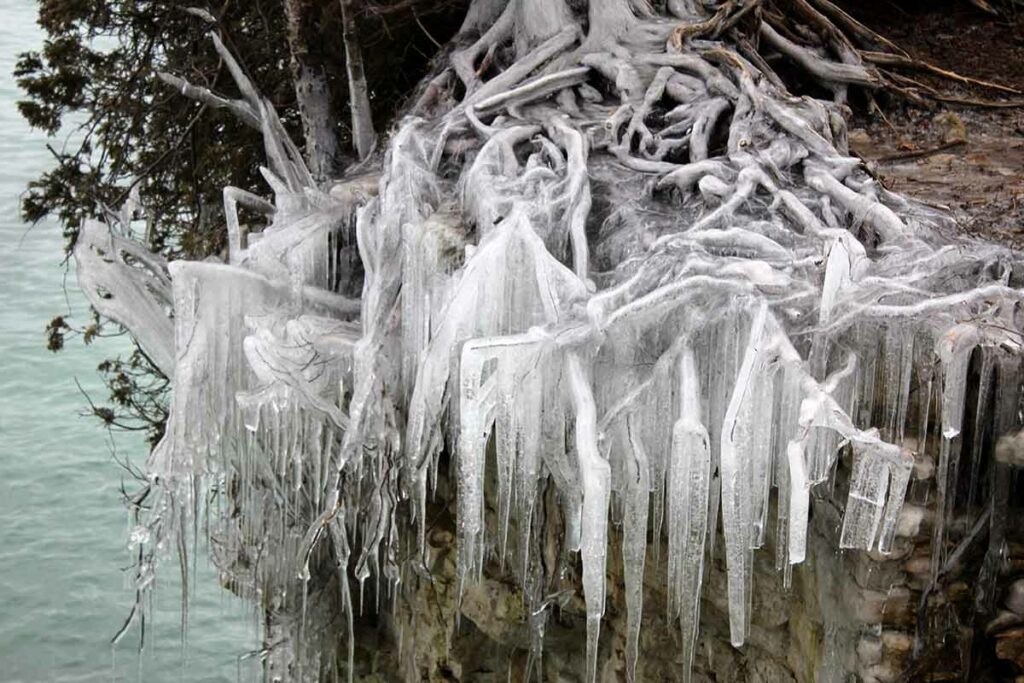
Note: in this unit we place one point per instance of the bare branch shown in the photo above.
(241, 80)
(237, 107)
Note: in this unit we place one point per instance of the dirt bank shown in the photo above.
(969, 159)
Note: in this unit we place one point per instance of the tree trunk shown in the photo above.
(363, 136)
(312, 93)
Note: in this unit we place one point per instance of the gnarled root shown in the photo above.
(608, 230)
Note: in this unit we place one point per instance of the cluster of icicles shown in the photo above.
(579, 275)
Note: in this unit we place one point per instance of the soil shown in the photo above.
(967, 158)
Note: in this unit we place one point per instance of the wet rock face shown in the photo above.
(492, 639)
(1008, 627)
(1015, 597)
(846, 616)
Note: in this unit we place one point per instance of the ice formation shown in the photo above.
(628, 267)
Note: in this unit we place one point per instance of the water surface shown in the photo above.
(63, 530)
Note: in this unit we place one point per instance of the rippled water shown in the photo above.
(62, 528)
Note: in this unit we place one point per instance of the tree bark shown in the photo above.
(312, 93)
(363, 136)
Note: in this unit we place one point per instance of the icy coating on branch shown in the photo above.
(624, 263)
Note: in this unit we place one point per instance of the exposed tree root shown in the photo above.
(626, 231)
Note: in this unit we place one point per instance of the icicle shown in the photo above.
(980, 415)
(209, 300)
(869, 484)
(762, 414)
(724, 351)
(689, 482)
(837, 277)
(954, 351)
(489, 374)
(899, 478)
(799, 501)
(785, 429)
(474, 397)
(737, 454)
(506, 436)
(595, 477)
(906, 370)
(124, 281)
(634, 546)
(528, 415)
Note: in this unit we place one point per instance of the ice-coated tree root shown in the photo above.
(608, 251)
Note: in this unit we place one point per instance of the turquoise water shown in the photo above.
(63, 531)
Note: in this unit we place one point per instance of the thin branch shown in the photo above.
(887, 59)
(918, 153)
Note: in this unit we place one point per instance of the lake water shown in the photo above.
(63, 531)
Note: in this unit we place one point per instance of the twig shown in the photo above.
(888, 59)
(918, 153)
(423, 28)
(167, 152)
(991, 104)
